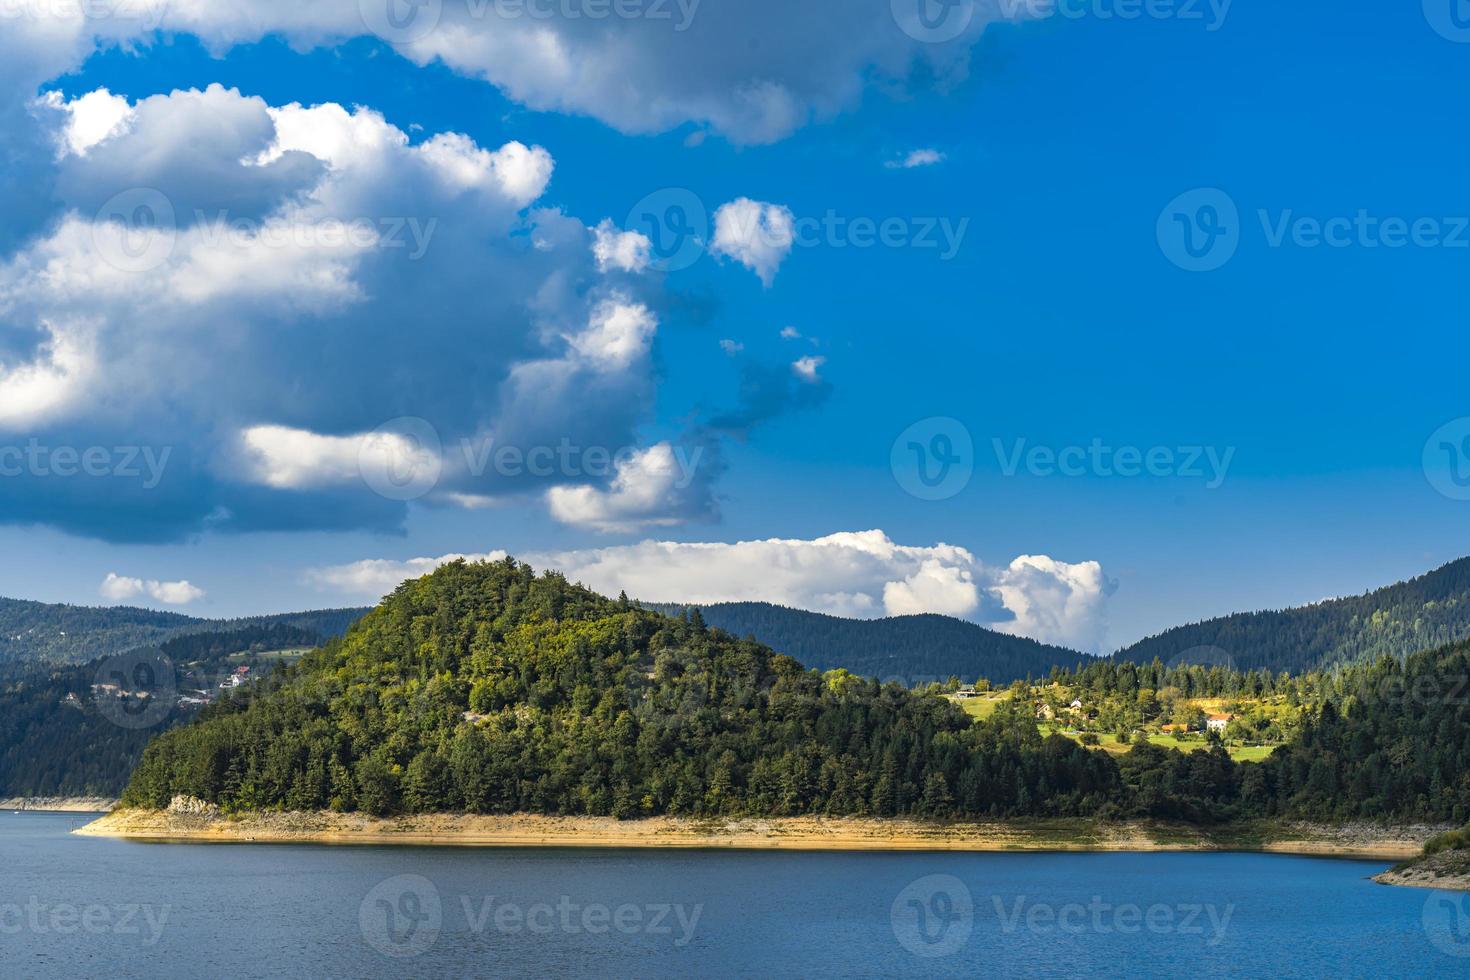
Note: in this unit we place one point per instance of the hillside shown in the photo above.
(486, 689)
(1421, 614)
(62, 733)
(913, 650)
(33, 632)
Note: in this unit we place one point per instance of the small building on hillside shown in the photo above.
(1218, 723)
(1174, 729)
(966, 692)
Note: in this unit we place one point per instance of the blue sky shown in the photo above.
(1054, 315)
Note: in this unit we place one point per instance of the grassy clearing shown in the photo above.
(983, 706)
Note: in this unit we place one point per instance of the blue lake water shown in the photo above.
(73, 906)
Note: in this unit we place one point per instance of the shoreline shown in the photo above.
(60, 804)
(202, 824)
(1446, 871)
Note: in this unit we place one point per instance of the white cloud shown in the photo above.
(625, 251)
(806, 368)
(861, 575)
(917, 158)
(295, 459)
(1065, 603)
(790, 333)
(618, 333)
(121, 588)
(91, 118)
(757, 235)
(731, 347)
(654, 487)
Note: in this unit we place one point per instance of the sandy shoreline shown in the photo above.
(59, 804)
(787, 833)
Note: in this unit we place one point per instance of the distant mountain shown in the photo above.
(63, 732)
(1430, 611)
(913, 649)
(44, 632)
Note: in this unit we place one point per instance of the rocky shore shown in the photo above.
(189, 820)
(60, 804)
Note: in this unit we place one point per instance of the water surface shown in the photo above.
(75, 906)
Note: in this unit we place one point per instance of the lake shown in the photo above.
(72, 906)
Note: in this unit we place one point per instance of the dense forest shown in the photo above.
(59, 736)
(1422, 614)
(910, 649)
(32, 632)
(487, 689)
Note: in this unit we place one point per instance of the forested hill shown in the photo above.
(1430, 611)
(53, 633)
(911, 649)
(487, 689)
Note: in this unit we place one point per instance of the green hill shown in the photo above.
(1422, 614)
(911, 649)
(486, 688)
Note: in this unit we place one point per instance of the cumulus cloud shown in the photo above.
(262, 288)
(658, 486)
(757, 235)
(624, 251)
(122, 588)
(916, 158)
(861, 575)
